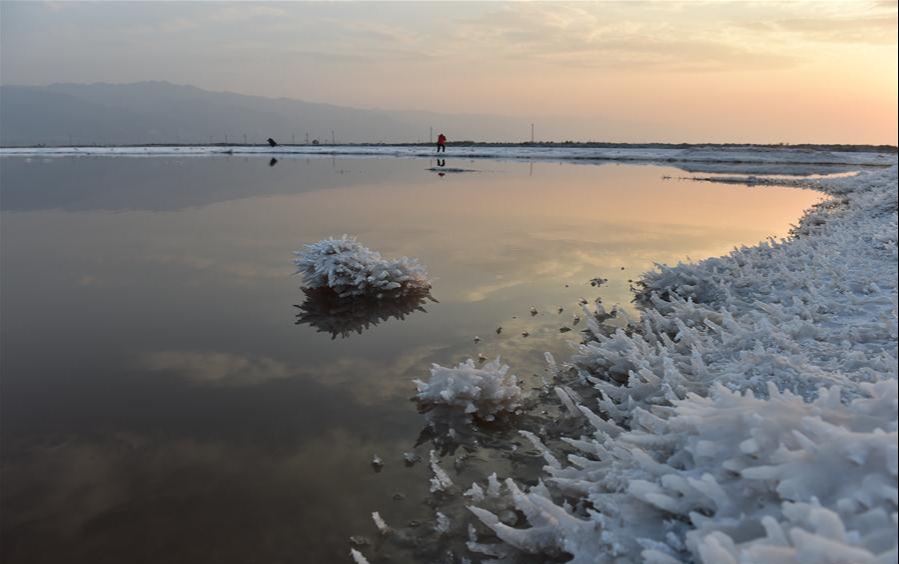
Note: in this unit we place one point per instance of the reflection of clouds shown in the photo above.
(125, 498)
(483, 291)
(575, 256)
(232, 268)
(66, 486)
(374, 381)
(525, 354)
(210, 367)
(367, 381)
(88, 280)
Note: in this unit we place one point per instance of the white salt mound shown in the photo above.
(750, 417)
(482, 392)
(350, 269)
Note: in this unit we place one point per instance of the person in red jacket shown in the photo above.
(441, 143)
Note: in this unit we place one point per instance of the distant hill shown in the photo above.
(161, 112)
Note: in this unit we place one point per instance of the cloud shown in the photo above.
(238, 13)
(874, 30)
(575, 36)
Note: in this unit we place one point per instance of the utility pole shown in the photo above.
(332, 138)
(532, 133)
(431, 135)
(244, 138)
(307, 137)
(293, 138)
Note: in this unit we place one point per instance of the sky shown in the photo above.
(764, 72)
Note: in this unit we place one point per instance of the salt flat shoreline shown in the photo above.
(699, 153)
(749, 416)
(699, 158)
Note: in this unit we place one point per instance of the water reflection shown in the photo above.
(470, 451)
(154, 184)
(191, 421)
(447, 429)
(342, 317)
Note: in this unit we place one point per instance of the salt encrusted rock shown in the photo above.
(350, 269)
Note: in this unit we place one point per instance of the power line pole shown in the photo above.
(532, 133)
(333, 142)
(431, 134)
(244, 138)
(307, 137)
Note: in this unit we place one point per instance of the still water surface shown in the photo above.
(160, 403)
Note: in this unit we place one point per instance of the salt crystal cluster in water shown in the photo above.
(482, 392)
(350, 269)
(357, 556)
(441, 481)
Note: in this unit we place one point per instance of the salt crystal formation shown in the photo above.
(442, 524)
(350, 269)
(357, 556)
(481, 392)
(382, 526)
(750, 417)
(441, 481)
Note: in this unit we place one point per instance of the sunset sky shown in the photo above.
(635, 71)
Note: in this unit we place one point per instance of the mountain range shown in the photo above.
(162, 112)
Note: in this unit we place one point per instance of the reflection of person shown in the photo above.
(441, 143)
(441, 162)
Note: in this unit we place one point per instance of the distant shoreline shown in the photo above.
(744, 159)
(538, 144)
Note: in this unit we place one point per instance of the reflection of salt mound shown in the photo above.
(325, 310)
(350, 269)
(483, 392)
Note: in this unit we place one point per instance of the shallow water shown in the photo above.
(159, 403)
